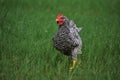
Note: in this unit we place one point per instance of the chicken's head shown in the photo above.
(60, 19)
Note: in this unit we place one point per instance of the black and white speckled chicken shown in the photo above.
(67, 39)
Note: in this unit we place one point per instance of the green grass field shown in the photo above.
(26, 30)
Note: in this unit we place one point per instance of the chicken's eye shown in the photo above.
(62, 17)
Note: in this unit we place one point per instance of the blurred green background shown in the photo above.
(26, 29)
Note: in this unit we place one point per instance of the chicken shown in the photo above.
(67, 39)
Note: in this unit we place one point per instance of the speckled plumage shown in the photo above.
(67, 39)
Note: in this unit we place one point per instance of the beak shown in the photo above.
(57, 21)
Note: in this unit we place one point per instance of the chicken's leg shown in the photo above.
(73, 64)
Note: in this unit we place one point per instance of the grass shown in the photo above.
(26, 29)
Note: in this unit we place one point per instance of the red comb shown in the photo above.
(59, 15)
